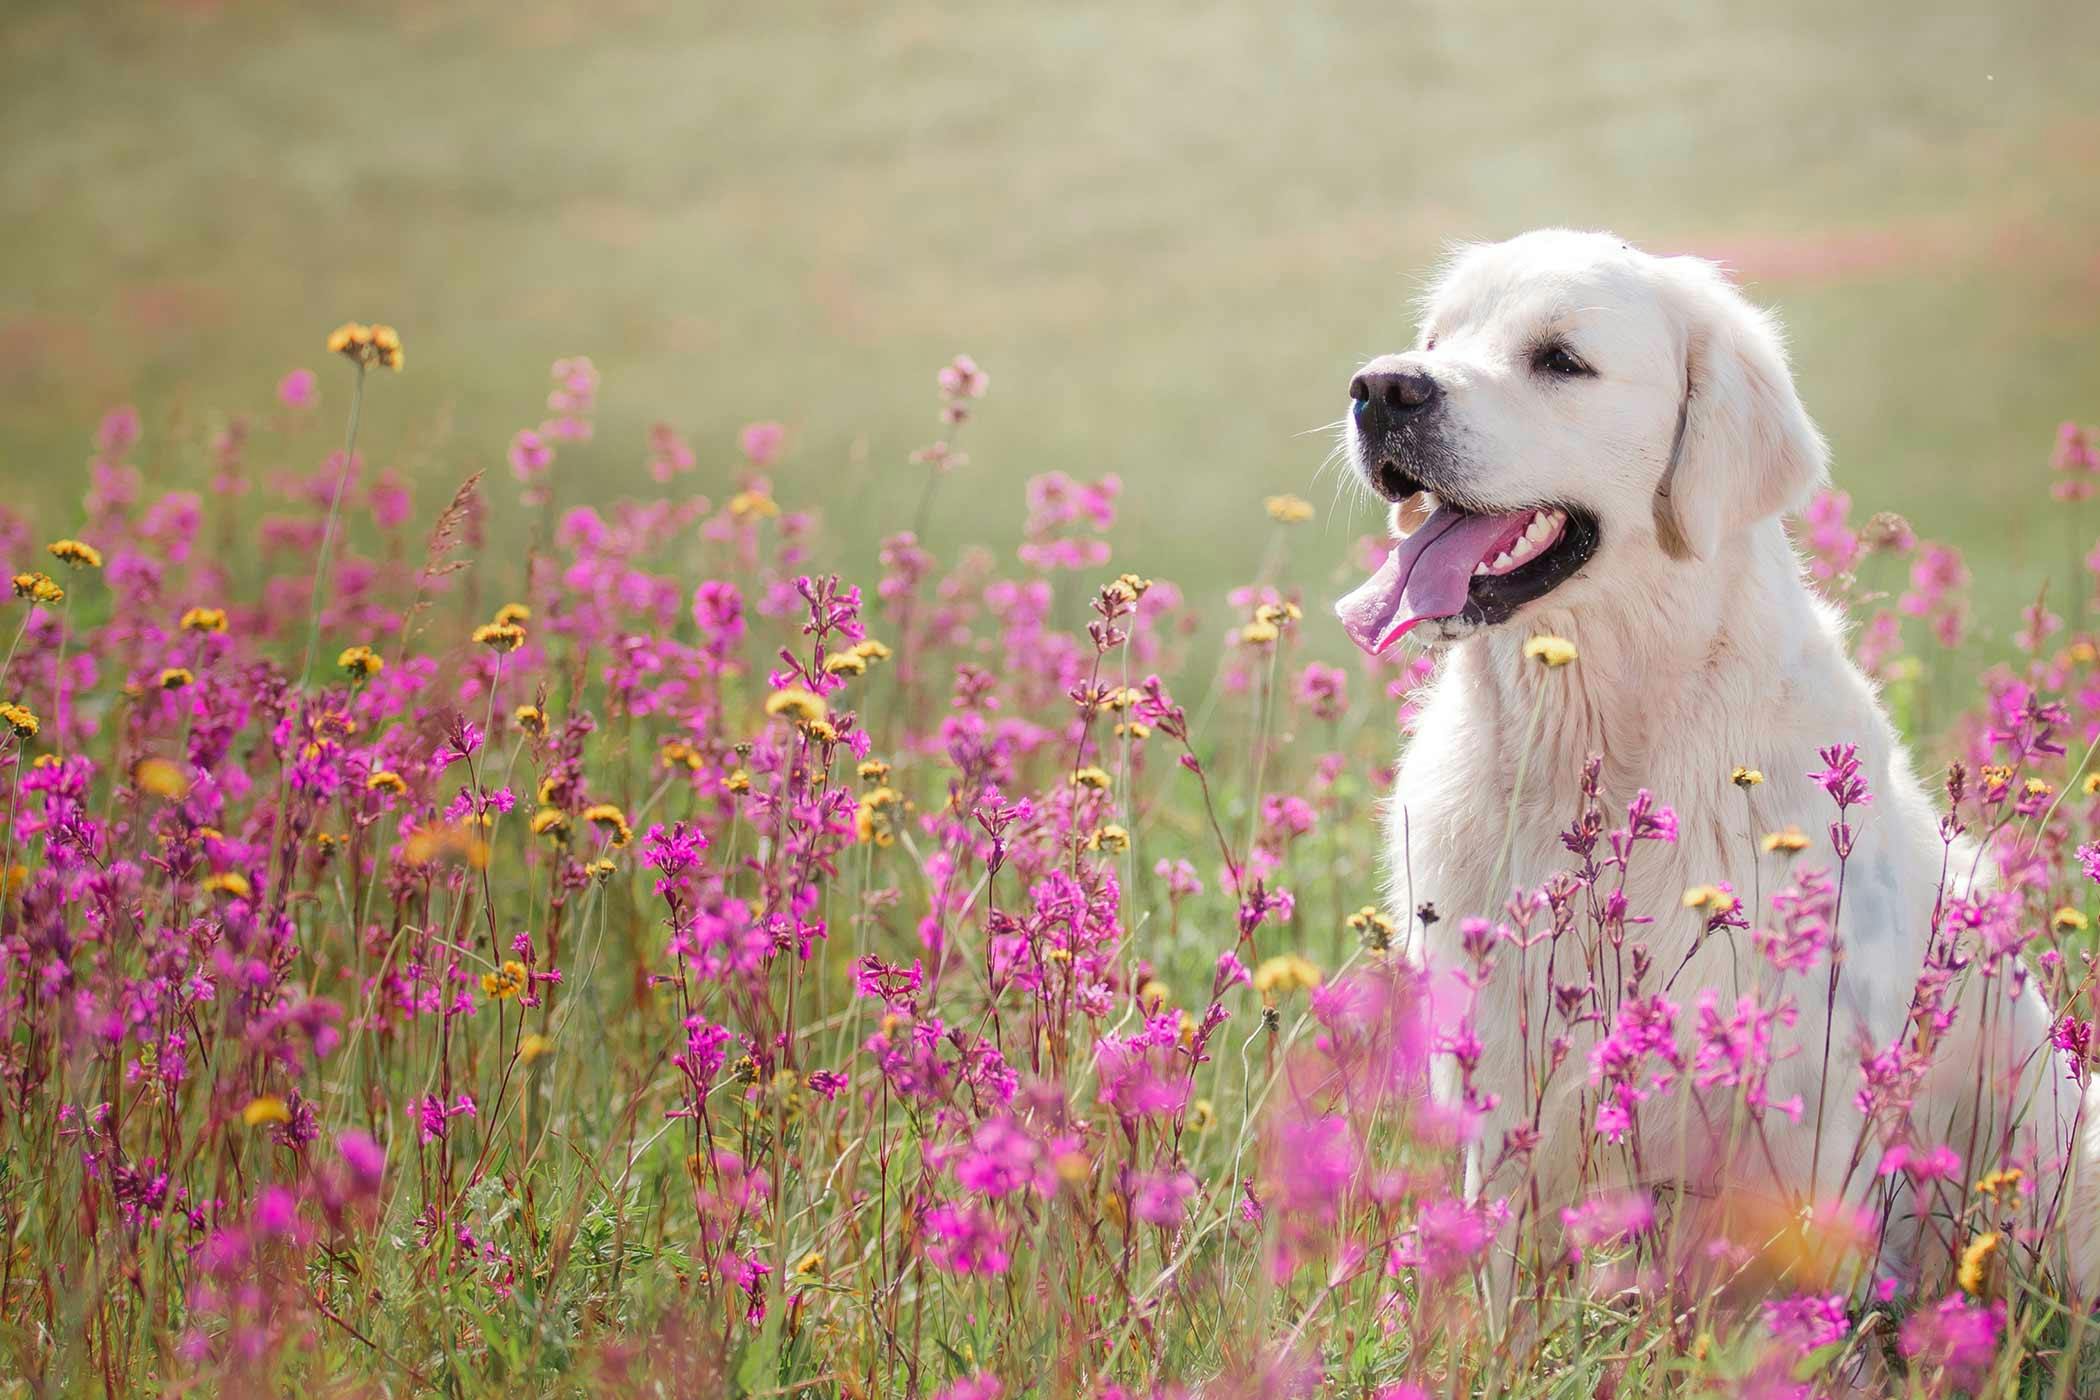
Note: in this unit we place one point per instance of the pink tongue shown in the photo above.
(1425, 576)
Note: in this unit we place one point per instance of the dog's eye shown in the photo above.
(1558, 360)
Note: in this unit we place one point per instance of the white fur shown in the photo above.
(1688, 667)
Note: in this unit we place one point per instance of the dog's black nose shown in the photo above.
(1387, 398)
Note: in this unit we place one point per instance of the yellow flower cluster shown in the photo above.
(1112, 838)
(1374, 926)
(1712, 899)
(856, 660)
(876, 819)
(1788, 841)
(610, 820)
(1286, 973)
(551, 822)
(76, 553)
(161, 778)
(1269, 621)
(1976, 1262)
(1288, 509)
(19, 718)
(1745, 777)
(366, 345)
(39, 588)
(530, 718)
(797, 704)
(388, 781)
(506, 982)
(204, 620)
(265, 1109)
(745, 504)
(359, 663)
(499, 636)
(231, 883)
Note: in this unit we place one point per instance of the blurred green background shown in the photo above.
(1169, 233)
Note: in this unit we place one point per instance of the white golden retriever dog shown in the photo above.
(1596, 443)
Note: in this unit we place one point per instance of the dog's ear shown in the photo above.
(1744, 448)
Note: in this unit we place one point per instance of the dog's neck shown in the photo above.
(1694, 643)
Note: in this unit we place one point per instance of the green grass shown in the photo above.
(1169, 235)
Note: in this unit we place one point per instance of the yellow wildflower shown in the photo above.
(20, 718)
(2068, 919)
(175, 678)
(810, 1263)
(600, 869)
(1711, 898)
(447, 843)
(204, 620)
(1202, 1116)
(266, 1108)
(874, 821)
(874, 770)
(2091, 785)
(795, 703)
(1288, 509)
(1976, 1261)
(388, 781)
(1286, 973)
(1093, 778)
(499, 636)
(531, 1047)
(1745, 777)
(161, 778)
(78, 553)
(367, 345)
(677, 753)
(1257, 633)
(359, 663)
(506, 982)
(1788, 840)
(1997, 1183)
(1111, 838)
(845, 663)
(868, 649)
(530, 718)
(1376, 927)
(610, 820)
(550, 821)
(737, 781)
(228, 882)
(745, 504)
(1553, 651)
(2037, 788)
(39, 588)
(349, 337)
(513, 614)
(1153, 995)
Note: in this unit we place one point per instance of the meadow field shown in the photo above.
(1172, 231)
(671, 727)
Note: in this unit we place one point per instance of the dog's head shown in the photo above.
(1575, 413)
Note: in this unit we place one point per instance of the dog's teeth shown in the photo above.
(1536, 530)
(1480, 570)
(1502, 561)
